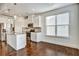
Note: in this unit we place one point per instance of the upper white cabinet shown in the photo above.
(36, 19)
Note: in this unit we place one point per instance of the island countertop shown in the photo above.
(15, 33)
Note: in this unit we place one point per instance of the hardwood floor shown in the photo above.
(38, 49)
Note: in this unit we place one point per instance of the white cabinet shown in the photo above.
(36, 36)
(21, 41)
(11, 40)
(36, 19)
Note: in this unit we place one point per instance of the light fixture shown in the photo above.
(14, 17)
(33, 9)
(14, 3)
(14, 11)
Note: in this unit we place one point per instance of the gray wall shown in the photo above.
(73, 41)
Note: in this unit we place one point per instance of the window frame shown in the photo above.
(58, 25)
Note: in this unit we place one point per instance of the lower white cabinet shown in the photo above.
(36, 36)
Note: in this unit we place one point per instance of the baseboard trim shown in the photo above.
(55, 45)
(2, 41)
(34, 41)
(11, 47)
(58, 45)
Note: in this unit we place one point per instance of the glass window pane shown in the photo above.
(50, 30)
(62, 31)
(63, 19)
(50, 20)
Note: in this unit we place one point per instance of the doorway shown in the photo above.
(1, 32)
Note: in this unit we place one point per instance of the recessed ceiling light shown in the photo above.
(14, 17)
(33, 9)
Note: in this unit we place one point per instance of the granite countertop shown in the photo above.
(35, 32)
(15, 33)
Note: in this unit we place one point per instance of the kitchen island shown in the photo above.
(16, 40)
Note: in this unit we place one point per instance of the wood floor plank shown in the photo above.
(38, 49)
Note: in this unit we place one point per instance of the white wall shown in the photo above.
(73, 41)
(20, 22)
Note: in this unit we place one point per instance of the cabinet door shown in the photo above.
(36, 21)
(33, 37)
(39, 37)
(36, 37)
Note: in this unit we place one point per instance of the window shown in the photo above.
(50, 25)
(58, 25)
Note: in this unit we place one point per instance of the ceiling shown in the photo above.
(25, 9)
